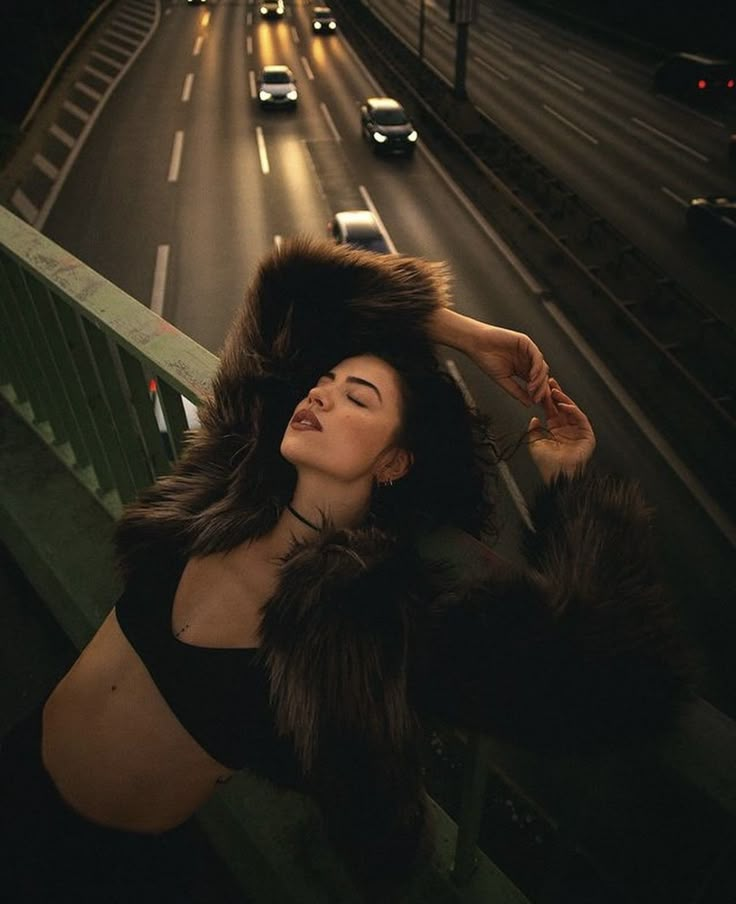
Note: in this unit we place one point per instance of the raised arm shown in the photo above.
(510, 358)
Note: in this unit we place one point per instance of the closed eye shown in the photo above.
(356, 402)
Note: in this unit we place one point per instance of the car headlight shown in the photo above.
(317, 26)
(332, 25)
(264, 95)
(412, 136)
(379, 137)
(291, 95)
(263, 10)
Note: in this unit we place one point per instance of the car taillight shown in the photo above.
(152, 387)
(702, 83)
(730, 83)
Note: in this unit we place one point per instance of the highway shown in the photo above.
(184, 183)
(589, 113)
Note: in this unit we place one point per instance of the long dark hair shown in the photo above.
(452, 479)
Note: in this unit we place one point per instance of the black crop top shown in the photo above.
(220, 696)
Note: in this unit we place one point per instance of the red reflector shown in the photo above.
(702, 83)
(152, 385)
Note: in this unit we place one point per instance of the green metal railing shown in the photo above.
(77, 356)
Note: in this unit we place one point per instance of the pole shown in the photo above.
(461, 59)
(421, 30)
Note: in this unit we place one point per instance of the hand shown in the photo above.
(565, 445)
(514, 362)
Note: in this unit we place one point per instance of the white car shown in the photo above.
(277, 87)
(323, 22)
(272, 9)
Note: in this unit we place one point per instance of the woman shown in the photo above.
(276, 614)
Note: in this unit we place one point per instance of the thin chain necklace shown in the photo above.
(301, 518)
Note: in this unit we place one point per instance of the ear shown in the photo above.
(394, 464)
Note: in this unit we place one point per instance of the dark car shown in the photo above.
(272, 9)
(358, 228)
(691, 76)
(277, 87)
(385, 124)
(713, 221)
(323, 22)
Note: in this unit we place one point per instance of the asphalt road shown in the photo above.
(219, 196)
(589, 113)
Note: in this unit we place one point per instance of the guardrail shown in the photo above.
(76, 359)
(663, 344)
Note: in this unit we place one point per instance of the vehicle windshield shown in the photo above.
(277, 78)
(390, 117)
(322, 14)
(373, 243)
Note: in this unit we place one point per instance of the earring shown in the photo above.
(386, 483)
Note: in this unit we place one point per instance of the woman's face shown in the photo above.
(346, 427)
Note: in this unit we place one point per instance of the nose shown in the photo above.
(320, 397)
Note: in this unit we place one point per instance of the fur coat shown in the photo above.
(366, 637)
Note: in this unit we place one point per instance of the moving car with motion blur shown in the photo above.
(323, 22)
(713, 221)
(272, 9)
(386, 126)
(360, 229)
(277, 88)
(693, 77)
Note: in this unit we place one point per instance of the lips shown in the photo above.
(305, 419)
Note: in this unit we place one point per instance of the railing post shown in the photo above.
(475, 780)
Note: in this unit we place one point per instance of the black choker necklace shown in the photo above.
(301, 518)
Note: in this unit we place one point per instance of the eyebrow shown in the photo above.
(360, 381)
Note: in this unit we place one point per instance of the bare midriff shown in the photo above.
(112, 746)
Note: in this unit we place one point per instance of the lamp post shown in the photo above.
(421, 31)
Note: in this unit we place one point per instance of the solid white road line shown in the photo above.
(372, 207)
(330, 121)
(709, 506)
(571, 124)
(187, 89)
(262, 151)
(159, 279)
(176, 156)
(512, 486)
(531, 283)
